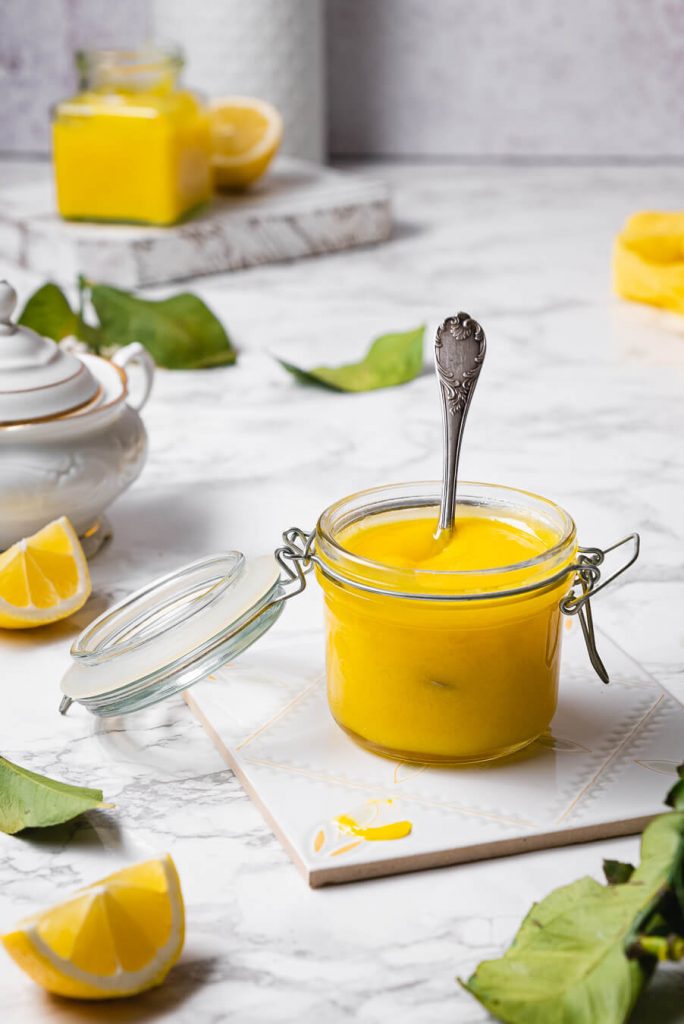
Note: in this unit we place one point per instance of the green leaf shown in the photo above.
(48, 312)
(179, 333)
(616, 872)
(568, 964)
(675, 798)
(392, 359)
(28, 800)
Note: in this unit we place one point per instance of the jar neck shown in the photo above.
(148, 70)
(552, 567)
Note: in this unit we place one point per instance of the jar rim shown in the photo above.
(129, 57)
(134, 68)
(396, 497)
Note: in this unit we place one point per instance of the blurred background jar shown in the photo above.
(131, 145)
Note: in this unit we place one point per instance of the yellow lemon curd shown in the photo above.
(373, 833)
(446, 681)
(130, 155)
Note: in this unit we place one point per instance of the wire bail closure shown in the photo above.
(208, 612)
(588, 581)
(297, 558)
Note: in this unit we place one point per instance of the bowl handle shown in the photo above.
(135, 353)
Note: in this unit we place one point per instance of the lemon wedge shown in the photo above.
(43, 578)
(115, 938)
(246, 134)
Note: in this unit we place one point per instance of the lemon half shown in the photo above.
(43, 578)
(115, 938)
(246, 134)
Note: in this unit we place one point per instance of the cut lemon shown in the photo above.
(43, 578)
(246, 134)
(115, 938)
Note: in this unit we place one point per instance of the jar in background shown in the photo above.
(131, 146)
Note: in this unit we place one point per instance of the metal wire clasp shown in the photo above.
(296, 560)
(587, 584)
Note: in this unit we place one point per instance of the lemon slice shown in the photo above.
(43, 578)
(115, 938)
(246, 134)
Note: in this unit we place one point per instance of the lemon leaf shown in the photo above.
(579, 956)
(48, 313)
(180, 333)
(675, 798)
(617, 872)
(391, 359)
(29, 800)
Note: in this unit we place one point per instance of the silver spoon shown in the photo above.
(460, 348)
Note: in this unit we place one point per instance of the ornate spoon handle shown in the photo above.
(460, 348)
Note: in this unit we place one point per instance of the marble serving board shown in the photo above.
(601, 771)
(298, 209)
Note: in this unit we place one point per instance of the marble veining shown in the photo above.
(580, 400)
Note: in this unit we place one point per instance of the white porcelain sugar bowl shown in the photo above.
(71, 439)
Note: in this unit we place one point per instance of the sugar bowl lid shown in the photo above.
(38, 379)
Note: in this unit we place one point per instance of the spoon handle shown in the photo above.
(460, 348)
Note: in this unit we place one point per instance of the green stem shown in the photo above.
(92, 336)
(661, 947)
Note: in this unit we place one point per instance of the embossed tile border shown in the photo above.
(600, 773)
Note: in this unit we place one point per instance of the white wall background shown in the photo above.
(37, 42)
(552, 78)
(507, 77)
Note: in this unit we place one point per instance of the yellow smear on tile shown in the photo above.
(393, 830)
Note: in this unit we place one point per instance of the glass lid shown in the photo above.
(167, 636)
(38, 379)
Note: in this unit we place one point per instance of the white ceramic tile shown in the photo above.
(598, 771)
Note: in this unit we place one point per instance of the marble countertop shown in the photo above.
(581, 400)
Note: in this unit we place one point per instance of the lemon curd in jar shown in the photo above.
(444, 652)
(131, 146)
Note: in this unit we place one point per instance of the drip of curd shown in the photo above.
(373, 833)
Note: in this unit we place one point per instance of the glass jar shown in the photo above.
(443, 666)
(131, 146)
(435, 667)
